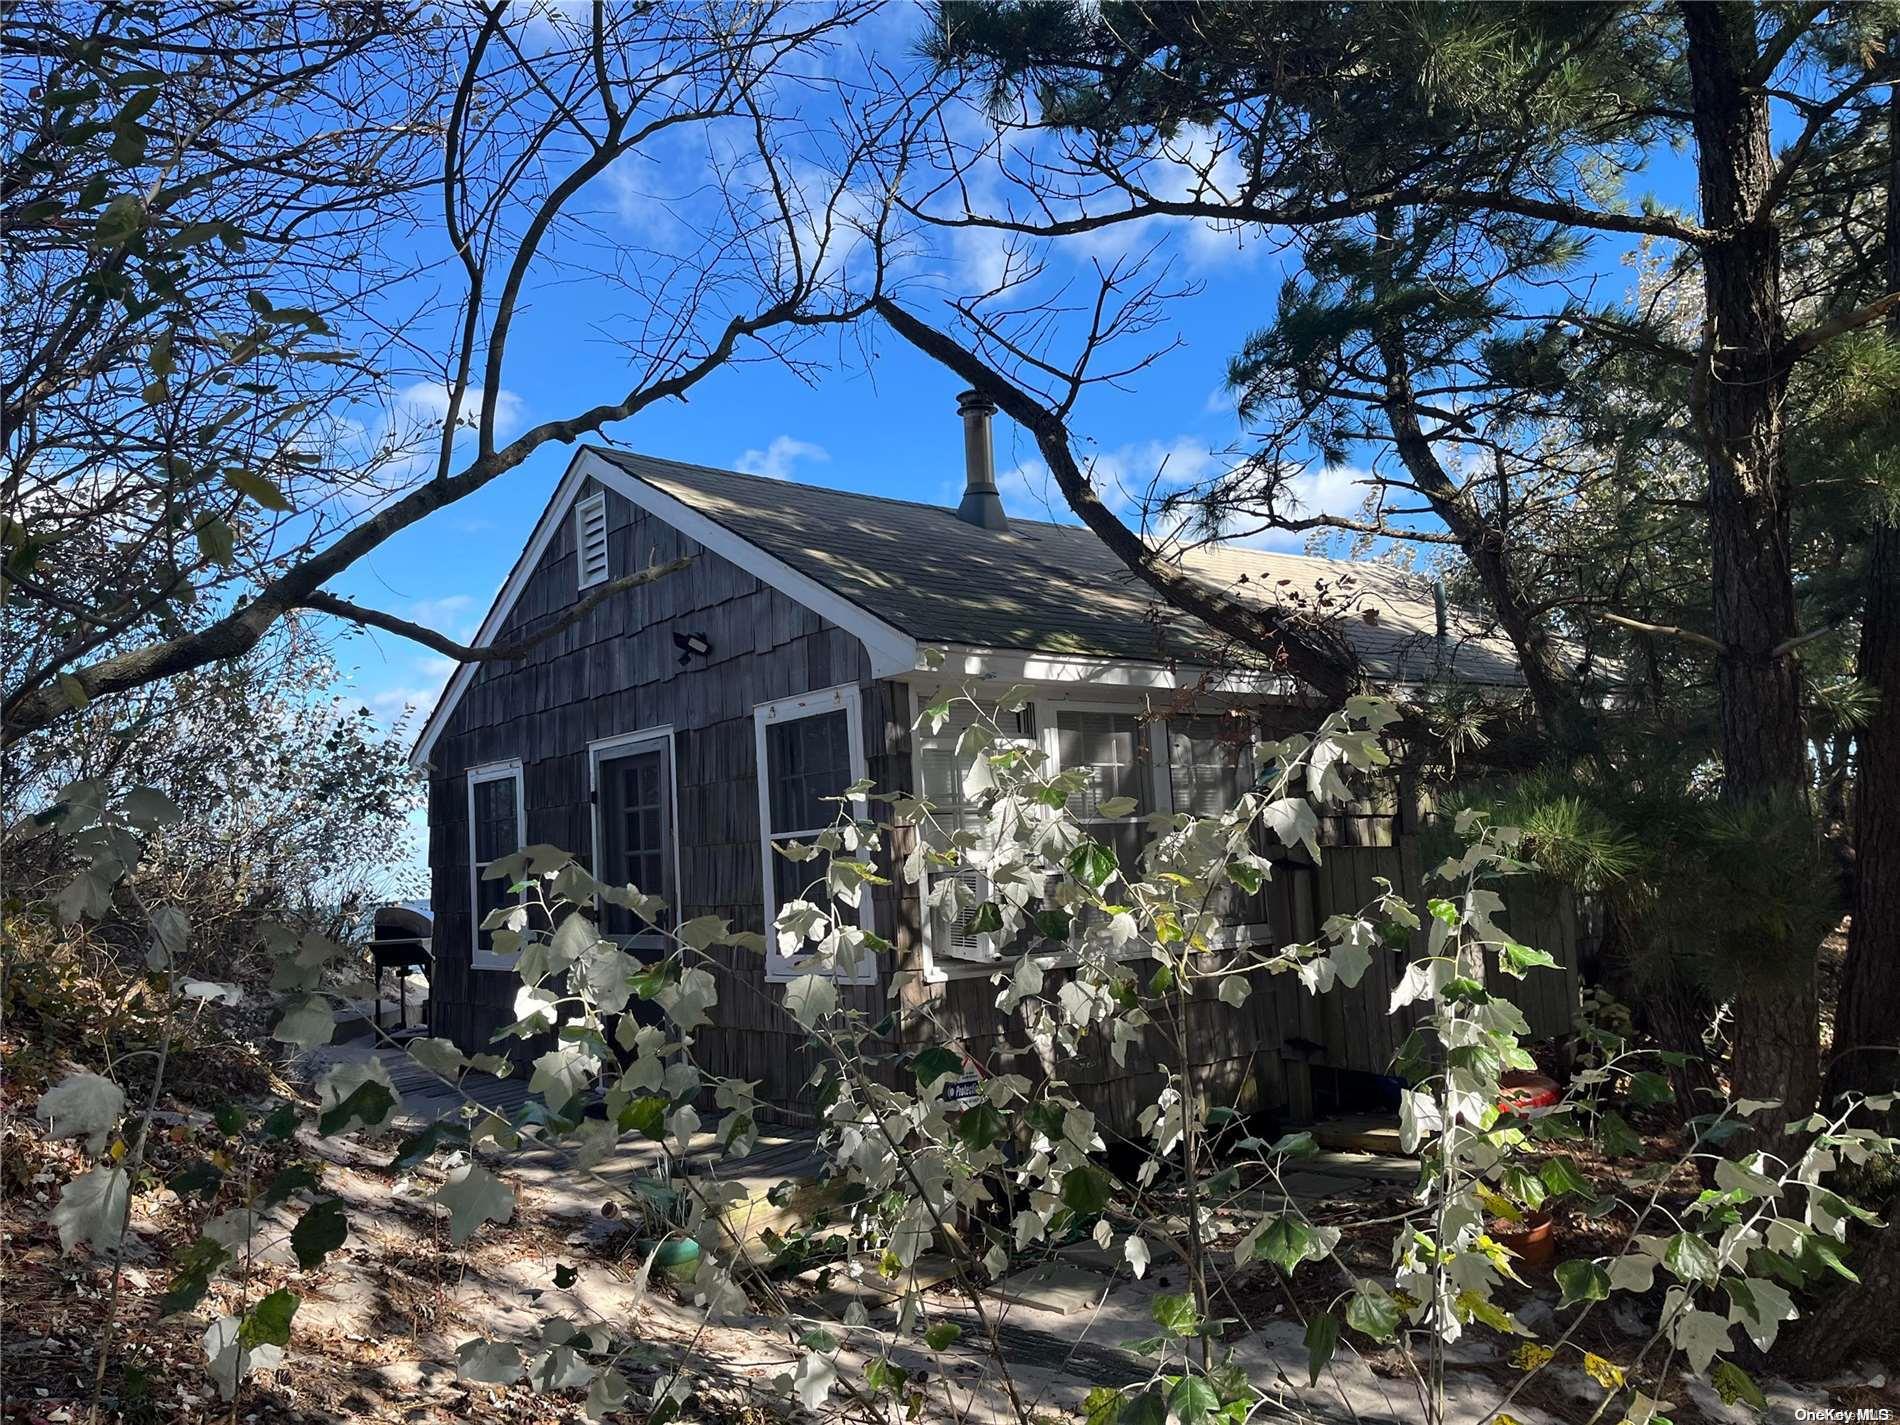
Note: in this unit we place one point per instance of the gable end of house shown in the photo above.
(576, 527)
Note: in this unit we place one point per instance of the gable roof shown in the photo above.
(899, 573)
(1055, 588)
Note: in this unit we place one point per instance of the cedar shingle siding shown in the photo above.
(1041, 587)
(617, 671)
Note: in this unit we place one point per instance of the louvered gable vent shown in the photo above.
(590, 540)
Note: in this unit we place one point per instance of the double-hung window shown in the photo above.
(495, 818)
(809, 748)
(1200, 763)
(1210, 767)
(940, 778)
(1112, 747)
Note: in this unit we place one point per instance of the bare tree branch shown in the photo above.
(1802, 343)
(495, 653)
(1659, 630)
(1310, 649)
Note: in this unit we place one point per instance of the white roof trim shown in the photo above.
(1012, 665)
(891, 650)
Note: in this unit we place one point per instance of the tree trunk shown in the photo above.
(1739, 413)
(1867, 1020)
(1856, 1321)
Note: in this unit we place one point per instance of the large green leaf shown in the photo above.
(1085, 1190)
(1582, 1281)
(1690, 1258)
(1148, 1408)
(281, 1187)
(369, 1103)
(1322, 1338)
(980, 1126)
(192, 1270)
(1192, 1400)
(1175, 1314)
(1285, 1243)
(123, 217)
(1372, 1311)
(1092, 863)
(320, 1231)
(268, 1323)
(646, 1116)
(933, 1063)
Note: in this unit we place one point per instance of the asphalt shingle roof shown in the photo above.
(1055, 588)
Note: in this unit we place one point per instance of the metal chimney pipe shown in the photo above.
(982, 506)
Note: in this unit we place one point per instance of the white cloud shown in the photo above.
(1143, 472)
(400, 444)
(777, 460)
(422, 406)
(449, 614)
(391, 704)
(1339, 490)
(420, 686)
(1223, 400)
(1125, 476)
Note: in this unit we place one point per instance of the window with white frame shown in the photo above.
(590, 540)
(1112, 747)
(1206, 764)
(809, 748)
(1210, 767)
(495, 818)
(941, 767)
(636, 836)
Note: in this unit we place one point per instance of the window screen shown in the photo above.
(1210, 763)
(807, 759)
(810, 748)
(941, 771)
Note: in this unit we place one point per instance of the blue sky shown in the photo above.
(881, 420)
(877, 417)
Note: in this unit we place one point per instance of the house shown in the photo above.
(672, 734)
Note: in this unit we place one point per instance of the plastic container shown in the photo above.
(676, 1257)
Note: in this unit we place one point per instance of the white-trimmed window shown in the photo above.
(1112, 747)
(1210, 767)
(635, 795)
(590, 540)
(940, 772)
(809, 747)
(1200, 764)
(496, 817)
(1112, 741)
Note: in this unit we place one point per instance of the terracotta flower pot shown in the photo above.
(1532, 1241)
